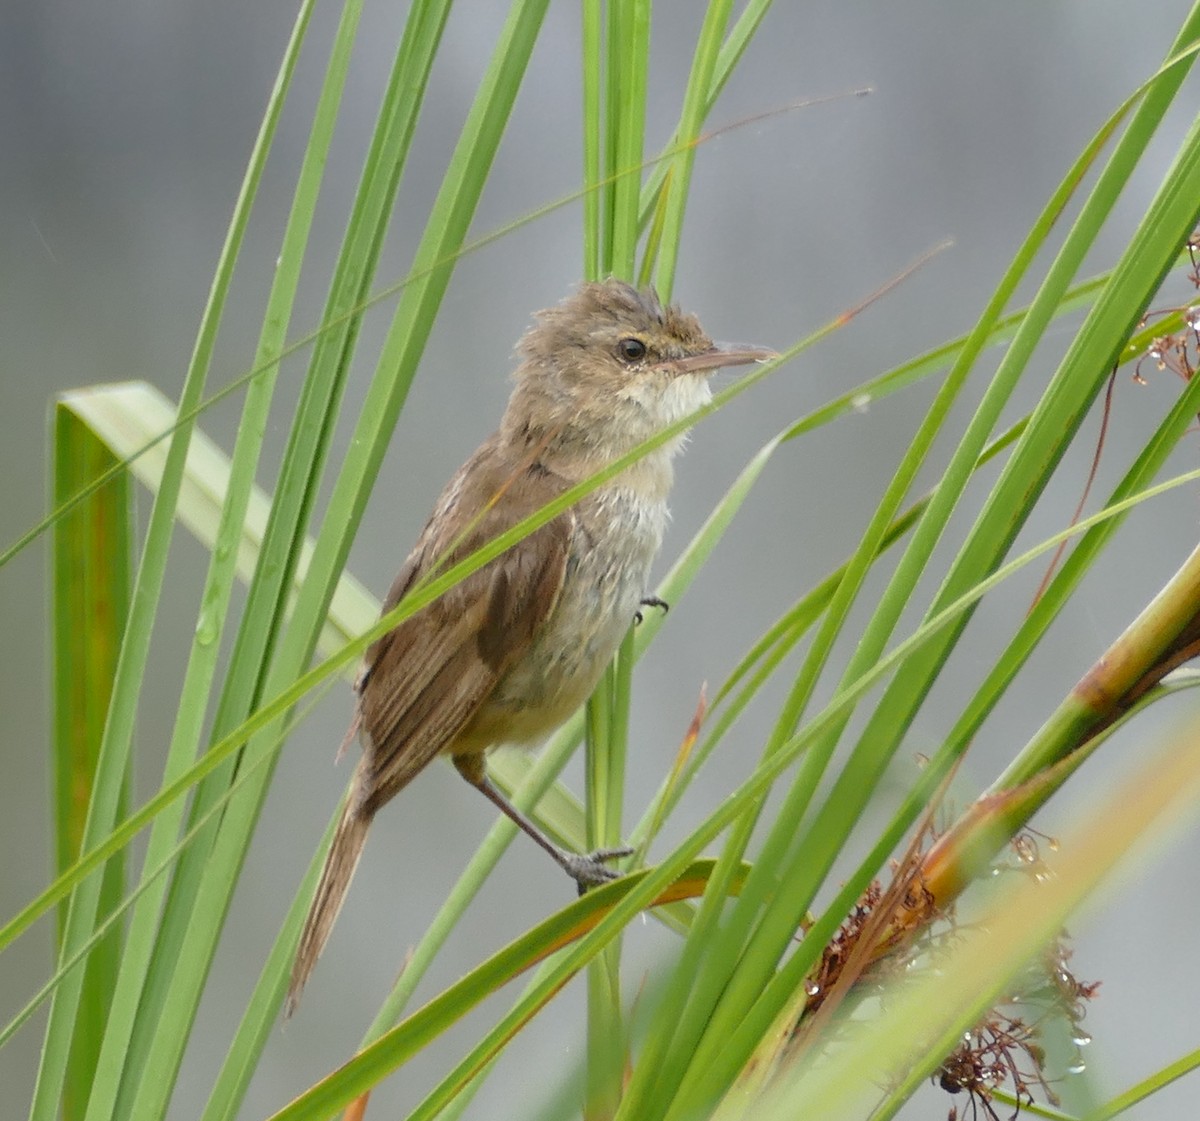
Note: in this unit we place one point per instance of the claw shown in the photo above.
(587, 869)
(650, 601)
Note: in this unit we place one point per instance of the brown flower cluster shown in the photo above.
(901, 931)
(1177, 351)
(1002, 1054)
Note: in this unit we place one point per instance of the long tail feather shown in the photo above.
(339, 868)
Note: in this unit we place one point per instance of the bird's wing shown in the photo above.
(424, 681)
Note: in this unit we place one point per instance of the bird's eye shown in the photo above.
(631, 350)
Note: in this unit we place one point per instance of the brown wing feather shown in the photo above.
(424, 681)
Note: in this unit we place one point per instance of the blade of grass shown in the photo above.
(620, 136)
(696, 104)
(1148, 1086)
(1078, 297)
(626, 70)
(594, 195)
(92, 577)
(727, 59)
(571, 927)
(128, 416)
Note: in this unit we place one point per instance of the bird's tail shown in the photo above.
(339, 868)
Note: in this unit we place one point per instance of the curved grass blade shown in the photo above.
(92, 564)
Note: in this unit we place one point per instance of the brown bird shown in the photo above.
(510, 652)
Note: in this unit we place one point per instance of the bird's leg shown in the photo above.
(651, 601)
(587, 870)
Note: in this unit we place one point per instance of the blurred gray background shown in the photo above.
(124, 130)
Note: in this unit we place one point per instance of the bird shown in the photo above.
(510, 652)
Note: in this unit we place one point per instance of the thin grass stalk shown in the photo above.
(627, 60)
(306, 341)
(595, 194)
(606, 723)
(728, 56)
(1079, 297)
(624, 74)
(1123, 1102)
(626, 64)
(696, 105)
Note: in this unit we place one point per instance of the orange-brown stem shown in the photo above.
(1164, 636)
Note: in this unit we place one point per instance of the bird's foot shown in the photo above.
(588, 869)
(651, 601)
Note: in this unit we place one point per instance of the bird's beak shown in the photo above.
(722, 354)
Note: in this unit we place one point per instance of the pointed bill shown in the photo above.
(722, 354)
